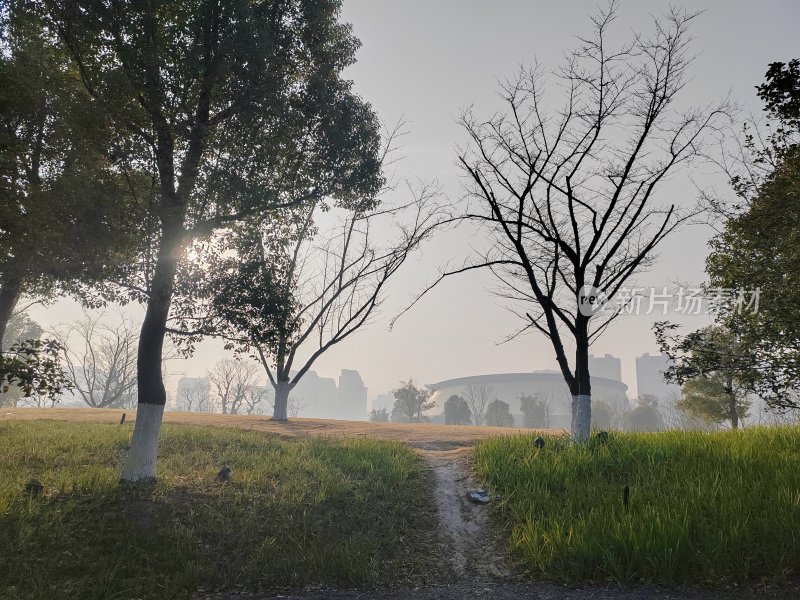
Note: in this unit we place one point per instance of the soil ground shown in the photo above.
(411, 433)
(476, 567)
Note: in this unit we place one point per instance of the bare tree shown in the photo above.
(567, 198)
(292, 287)
(194, 395)
(295, 406)
(232, 382)
(99, 358)
(257, 399)
(266, 399)
(478, 396)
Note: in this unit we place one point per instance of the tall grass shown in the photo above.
(349, 512)
(703, 507)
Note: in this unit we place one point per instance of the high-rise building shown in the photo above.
(352, 403)
(606, 366)
(650, 377)
(384, 401)
(320, 397)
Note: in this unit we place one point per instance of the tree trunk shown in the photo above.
(733, 413)
(141, 460)
(9, 295)
(280, 411)
(583, 417)
(10, 290)
(582, 392)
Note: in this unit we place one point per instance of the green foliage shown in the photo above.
(33, 367)
(232, 109)
(708, 399)
(294, 513)
(456, 411)
(66, 214)
(498, 414)
(716, 508)
(712, 354)
(760, 250)
(21, 327)
(781, 96)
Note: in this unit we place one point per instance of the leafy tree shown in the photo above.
(781, 96)
(645, 416)
(708, 398)
(757, 245)
(535, 410)
(716, 364)
(66, 215)
(760, 250)
(410, 402)
(456, 411)
(230, 108)
(286, 288)
(21, 327)
(380, 415)
(32, 366)
(498, 414)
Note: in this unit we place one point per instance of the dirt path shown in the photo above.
(477, 568)
(464, 527)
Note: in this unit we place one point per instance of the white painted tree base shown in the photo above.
(582, 421)
(141, 461)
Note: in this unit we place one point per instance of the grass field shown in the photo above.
(296, 512)
(710, 509)
(409, 433)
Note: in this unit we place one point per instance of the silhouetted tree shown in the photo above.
(478, 397)
(568, 198)
(290, 289)
(100, 360)
(644, 416)
(715, 368)
(410, 402)
(67, 216)
(535, 410)
(380, 415)
(498, 414)
(226, 105)
(195, 396)
(456, 411)
(232, 383)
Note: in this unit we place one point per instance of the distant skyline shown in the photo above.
(424, 61)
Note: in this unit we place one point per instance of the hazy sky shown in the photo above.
(424, 60)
